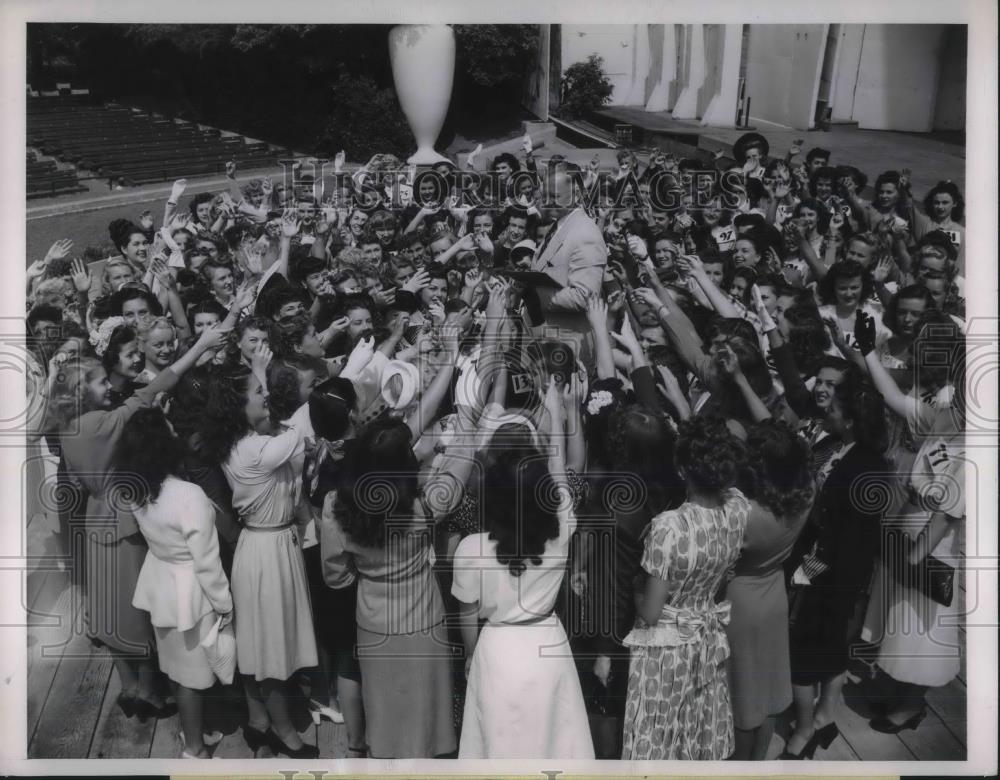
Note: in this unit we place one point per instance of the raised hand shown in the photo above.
(637, 247)
(418, 281)
(627, 338)
(496, 305)
(384, 298)
(58, 250)
(244, 296)
(231, 169)
(213, 337)
(177, 189)
(864, 332)
(470, 161)
(727, 361)
(882, 268)
(473, 278)
(82, 279)
(796, 146)
(261, 358)
(597, 312)
(526, 145)
(290, 223)
(338, 161)
(648, 297)
(266, 186)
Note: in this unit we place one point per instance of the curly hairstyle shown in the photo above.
(121, 231)
(641, 444)
(891, 177)
(778, 475)
(120, 336)
(822, 212)
(69, 398)
(379, 484)
(225, 422)
(845, 269)
(947, 188)
(521, 514)
(826, 172)
(912, 292)
(145, 455)
(862, 403)
(807, 337)
(708, 455)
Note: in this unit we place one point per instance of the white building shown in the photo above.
(905, 77)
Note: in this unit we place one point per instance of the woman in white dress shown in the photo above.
(274, 629)
(181, 583)
(917, 635)
(524, 698)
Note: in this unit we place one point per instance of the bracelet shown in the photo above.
(662, 308)
(171, 202)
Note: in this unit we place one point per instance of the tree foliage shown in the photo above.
(494, 54)
(585, 88)
(281, 82)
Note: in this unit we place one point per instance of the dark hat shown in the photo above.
(745, 142)
(860, 179)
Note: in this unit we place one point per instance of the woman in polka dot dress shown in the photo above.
(678, 696)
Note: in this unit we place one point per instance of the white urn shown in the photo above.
(423, 67)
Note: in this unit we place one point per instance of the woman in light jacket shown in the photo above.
(181, 583)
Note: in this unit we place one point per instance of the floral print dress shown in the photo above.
(678, 705)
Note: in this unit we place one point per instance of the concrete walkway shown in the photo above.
(928, 157)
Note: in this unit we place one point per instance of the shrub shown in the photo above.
(365, 120)
(584, 87)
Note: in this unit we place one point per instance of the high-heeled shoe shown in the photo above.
(822, 737)
(883, 725)
(208, 740)
(319, 711)
(126, 703)
(144, 710)
(279, 747)
(255, 739)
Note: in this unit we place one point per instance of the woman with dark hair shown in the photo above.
(902, 317)
(678, 698)
(844, 291)
(376, 529)
(944, 211)
(123, 360)
(181, 583)
(641, 483)
(131, 241)
(274, 632)
(520, 702)
(781, 492)
(892, 204)
(90, 427)
(835, 559)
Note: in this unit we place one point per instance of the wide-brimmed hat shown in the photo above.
(748, 140)
(400, 384)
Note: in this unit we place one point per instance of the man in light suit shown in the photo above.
(573, 255)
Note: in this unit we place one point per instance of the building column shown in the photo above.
(659, 99)
(721, 110)
(636, 95)
(686, 106)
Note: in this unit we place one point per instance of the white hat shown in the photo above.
(399, 395)
(526, 244)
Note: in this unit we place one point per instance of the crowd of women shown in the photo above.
(341, 421)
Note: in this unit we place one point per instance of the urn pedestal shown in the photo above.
(423, 67)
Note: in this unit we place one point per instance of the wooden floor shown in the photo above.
(72, 713)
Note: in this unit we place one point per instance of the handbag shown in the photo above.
(220, 648)
(932, 577)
